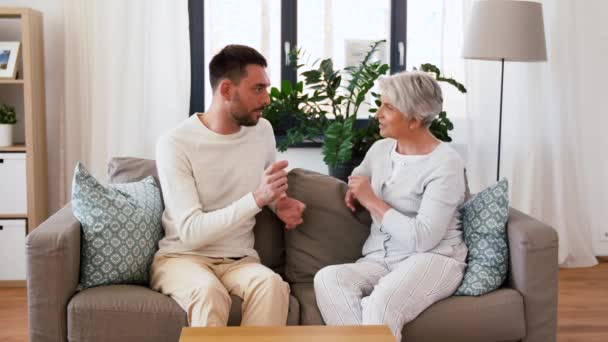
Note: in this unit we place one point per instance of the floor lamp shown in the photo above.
(505, 30)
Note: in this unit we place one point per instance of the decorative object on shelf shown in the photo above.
(7, 120)
(329, 115)
(505, 30)
(9, 54)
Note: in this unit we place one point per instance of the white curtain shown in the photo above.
(127, 79)
(553, 144)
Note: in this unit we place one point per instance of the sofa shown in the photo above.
(523, 309)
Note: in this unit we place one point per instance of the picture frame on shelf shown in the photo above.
(9, 55)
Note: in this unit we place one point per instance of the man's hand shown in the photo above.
(273, 184)
(290, 210)
(360, 188)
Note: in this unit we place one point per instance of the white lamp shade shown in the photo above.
(513, 30)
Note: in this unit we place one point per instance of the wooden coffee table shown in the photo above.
(305, 333)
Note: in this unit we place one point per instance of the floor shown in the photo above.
(583, 304)
(582, 307)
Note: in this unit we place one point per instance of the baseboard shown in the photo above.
(13, 283)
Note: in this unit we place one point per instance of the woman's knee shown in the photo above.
(375, 306)
(326, 277)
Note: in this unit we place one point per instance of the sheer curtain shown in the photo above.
(127, 79)
(553, 118)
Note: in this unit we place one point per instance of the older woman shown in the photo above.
(412, 184)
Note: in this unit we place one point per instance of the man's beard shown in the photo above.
(241, 116)
(244, 119)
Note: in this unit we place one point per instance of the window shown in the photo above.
(424, 32)
(256, 23)
(332, 29)
(324, 28)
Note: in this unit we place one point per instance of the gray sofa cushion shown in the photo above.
(268, 231)
(137, 313)
(309, 311)
(331, 233)
(270, 241)
(128, 169)
(124, 313)
(496, 316)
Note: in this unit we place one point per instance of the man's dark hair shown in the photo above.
(230, 63)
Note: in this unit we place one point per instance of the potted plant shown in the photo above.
(329, 115)
(7, 120)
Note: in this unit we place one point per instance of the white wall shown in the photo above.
(304, 158)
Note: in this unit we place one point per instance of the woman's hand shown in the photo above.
(361, 189)
(349, 199)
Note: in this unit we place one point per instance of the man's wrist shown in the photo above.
(258, 199)
(273, 206)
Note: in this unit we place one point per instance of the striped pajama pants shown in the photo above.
(372, 292)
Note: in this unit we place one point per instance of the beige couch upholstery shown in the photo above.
(523, 309)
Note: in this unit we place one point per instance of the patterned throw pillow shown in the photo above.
(484, 219)
(121, 225)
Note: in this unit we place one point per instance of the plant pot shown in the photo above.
(6, 135)
(342, 171)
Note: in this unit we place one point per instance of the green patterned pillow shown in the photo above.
(484, 220)
(121, 227)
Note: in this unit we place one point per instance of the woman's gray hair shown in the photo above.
(414, 93)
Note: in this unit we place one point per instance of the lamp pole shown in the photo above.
(502, 76)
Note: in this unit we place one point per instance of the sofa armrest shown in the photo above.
(53, 267)
(534, 273)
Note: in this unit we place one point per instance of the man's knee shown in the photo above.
(214, 292)
(206, 305)
(272, 282)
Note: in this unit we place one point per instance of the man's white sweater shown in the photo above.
(207, 182)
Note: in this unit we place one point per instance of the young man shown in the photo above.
(217, 170)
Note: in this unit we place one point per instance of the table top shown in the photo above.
(364, 333)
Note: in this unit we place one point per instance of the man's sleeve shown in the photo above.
(271, 157)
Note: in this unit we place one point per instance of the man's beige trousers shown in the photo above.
(202, 287)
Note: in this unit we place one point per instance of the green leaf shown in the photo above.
(338, 144)
(286, 87)
(274, 93)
